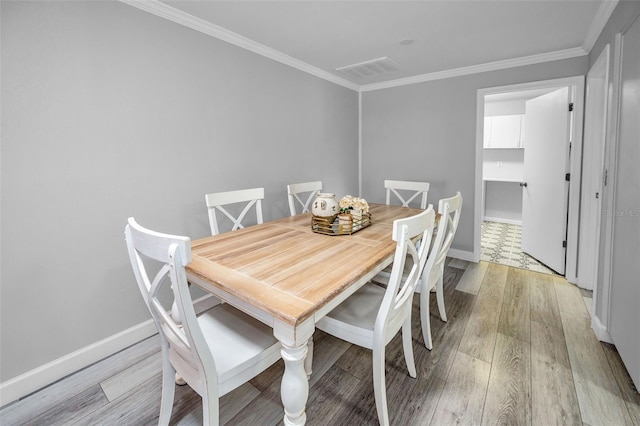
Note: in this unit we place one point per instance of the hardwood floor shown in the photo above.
(517, 349)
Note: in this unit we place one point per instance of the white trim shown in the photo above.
(501, 220)
(599, 21)
(39, 377)
(575, 168)
(599, 329)
(474, 69)
(360, 144)
(175, 15)
(170, 13)
(462, 255)
(611, 164)
(588, 266)
(577, 83)
(46, 374)
(479, 205)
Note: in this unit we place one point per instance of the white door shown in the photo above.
(546, 161)
(625, 268)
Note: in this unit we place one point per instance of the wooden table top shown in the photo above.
(285, 269)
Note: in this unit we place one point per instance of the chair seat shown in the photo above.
(241, 346)
(355, 318)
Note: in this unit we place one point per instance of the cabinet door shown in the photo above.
(505, 131)
(522, 124)
(487, 132)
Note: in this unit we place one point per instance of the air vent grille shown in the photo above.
(370, 68)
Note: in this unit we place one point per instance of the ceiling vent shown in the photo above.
(370, 68)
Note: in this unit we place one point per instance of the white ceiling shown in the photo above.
(452, 36)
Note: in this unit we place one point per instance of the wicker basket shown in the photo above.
(342, 224)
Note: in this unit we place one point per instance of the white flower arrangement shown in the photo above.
(349, 204)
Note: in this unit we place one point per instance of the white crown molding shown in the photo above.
(474, 69)
(170, 13)
(175, 15)
(599, 21)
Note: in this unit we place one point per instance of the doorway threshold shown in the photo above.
(502, 243)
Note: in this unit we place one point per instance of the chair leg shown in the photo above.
(407, 347)
(440, 295)
(425, 321)
(210, 409)
(168, 391)
(379, 386)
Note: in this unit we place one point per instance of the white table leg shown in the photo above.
(294, 390)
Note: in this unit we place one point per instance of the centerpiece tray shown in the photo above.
(341, 224)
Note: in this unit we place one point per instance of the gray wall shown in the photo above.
(625, 13)
(427, 132)
(110, 112)
(616, 307)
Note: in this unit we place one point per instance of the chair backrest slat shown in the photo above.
(413, 239)
(449, 210)
(296, 190)
(177, 325)
(217, 200)
(410, 191)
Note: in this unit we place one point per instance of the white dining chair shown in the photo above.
(432, 277)
(297, 190)
(215, 351)
(373, 315)
(407, 191)
(217, 201)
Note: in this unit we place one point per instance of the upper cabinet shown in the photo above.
(504, 131)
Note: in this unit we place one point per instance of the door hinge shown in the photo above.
(567, 177)
(564, 244)
(571, 106)
(605, 177)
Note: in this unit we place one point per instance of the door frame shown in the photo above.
(576, 84)
(591, 206)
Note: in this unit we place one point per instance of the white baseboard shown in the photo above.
(42, 376)
(39, 377)
(501, 220)
(601, 331)
(460, 254)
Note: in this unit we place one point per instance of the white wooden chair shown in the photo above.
(402, 189)
(373, 315)
(214, 352)
(217, 200)
(433, 274)
(297, 190)
(407, 191)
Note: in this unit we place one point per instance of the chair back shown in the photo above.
(413, 238)
(216, 202)
(297, 192)
(407, 191)
(449, 210)
(182, 340)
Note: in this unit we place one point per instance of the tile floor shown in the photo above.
(501, 243)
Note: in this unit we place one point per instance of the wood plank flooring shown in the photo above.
(517, 350)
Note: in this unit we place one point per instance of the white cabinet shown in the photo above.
(504, 131)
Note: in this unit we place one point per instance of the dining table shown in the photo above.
(286, 275)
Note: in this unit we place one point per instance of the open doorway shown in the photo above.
(504, 141)
(502, 189)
